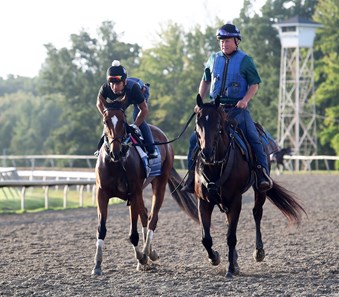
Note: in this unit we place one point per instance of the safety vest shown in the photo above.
(227, 82)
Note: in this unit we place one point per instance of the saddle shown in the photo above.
(152, 166)
(269, 144)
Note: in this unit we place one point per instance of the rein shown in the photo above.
(226, 163)
(170, 141)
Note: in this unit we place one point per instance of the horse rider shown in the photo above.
(128, 91)
(232, 75)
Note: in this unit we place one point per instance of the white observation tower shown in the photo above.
(297, 116)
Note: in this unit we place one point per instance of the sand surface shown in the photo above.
(51, 253)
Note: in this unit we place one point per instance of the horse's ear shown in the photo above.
(199, 100)
(217, 101)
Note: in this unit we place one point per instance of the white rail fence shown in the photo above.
(17, 181)
(7, 161)
(308, 160)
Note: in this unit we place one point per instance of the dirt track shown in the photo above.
(51, 253)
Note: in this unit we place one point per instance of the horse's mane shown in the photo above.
(227, 120)
(116, 105)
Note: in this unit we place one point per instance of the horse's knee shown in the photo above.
(134, 238)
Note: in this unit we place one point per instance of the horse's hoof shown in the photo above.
(259, 255)
(145, 267)
(236, 271)
(153, 255)
(229, 274)
(96, 271)
(143, 260)
(216, 259)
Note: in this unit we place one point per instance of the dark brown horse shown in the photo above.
(222, 175)
(120, 172)
(278, 158)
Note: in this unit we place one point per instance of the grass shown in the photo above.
(10, 200)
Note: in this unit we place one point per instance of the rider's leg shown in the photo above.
(148, 138)
(189, 184)
(264, 182)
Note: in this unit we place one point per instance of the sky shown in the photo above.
(26, 25)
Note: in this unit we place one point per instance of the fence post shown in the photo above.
(23, 192)
(46, 196)
(65, 195)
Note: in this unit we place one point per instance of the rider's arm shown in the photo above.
(143, 112)
(101, 104)
(203, 88)
(251, 91)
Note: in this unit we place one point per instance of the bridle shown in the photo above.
(212, 159)
(215, 170)
(116, 153)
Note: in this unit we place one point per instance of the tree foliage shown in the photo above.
(56, 113)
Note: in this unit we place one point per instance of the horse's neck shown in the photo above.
(223, 143)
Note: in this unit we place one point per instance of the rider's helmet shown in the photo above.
(228, 31)
(116, 73)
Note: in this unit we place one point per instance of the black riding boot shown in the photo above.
(189, 183)
(263, 180)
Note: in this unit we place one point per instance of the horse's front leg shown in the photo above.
(136, 208)
(205, 214)
(233, 218)
(102, 205)
(158, 188)
(147, 236)
(259, 252)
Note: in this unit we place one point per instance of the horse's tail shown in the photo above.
(287, 203)
(186, 201)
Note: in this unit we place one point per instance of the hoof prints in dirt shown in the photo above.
(51, 253)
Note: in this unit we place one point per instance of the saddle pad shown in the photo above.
(153, 166)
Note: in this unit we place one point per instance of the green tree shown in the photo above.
(261, 41)
(174, 68)
(327, 74)
(74, 76)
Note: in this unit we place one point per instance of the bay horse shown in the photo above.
(222, 175)
(120, 172)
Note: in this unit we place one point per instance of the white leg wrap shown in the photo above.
(150, 235)
(100, 243)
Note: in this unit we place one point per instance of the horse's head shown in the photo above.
(288, 151)
(115, 131)
(209, 129)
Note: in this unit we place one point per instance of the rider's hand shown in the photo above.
(136, 129)
(105, 115)
(241, 104)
